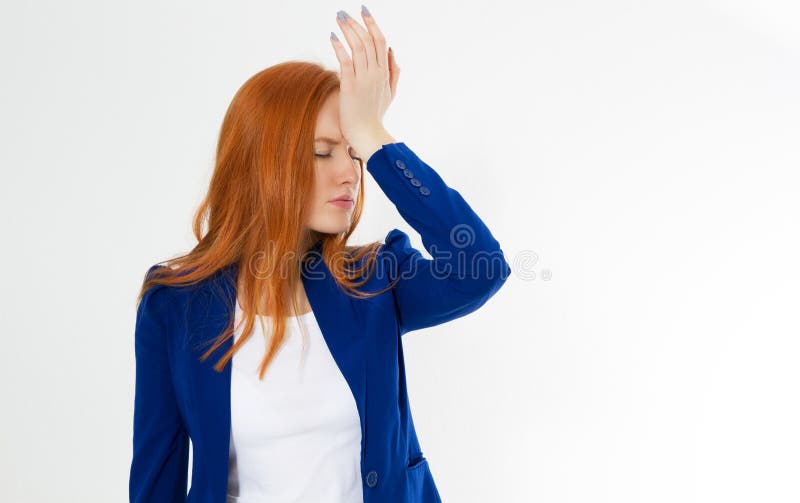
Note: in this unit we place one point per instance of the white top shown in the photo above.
(296, 435)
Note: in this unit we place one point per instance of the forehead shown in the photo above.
(328, 134)
(327, 127)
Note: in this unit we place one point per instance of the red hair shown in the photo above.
(257, 199)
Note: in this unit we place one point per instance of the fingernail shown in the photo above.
(364, 10)
(342, 15)
(334, 37)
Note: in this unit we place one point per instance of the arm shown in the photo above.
(159, 467)
(468, 265)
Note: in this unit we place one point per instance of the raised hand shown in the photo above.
(368, 82)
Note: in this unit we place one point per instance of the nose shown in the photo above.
(348, 170)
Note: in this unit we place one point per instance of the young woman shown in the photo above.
(314, 405)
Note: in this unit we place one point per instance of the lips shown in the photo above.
(345, 202)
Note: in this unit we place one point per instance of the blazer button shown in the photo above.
(415, 182)
(400, 164)
(408, 173)
(424, 191)
(372, 478)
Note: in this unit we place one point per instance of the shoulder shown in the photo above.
(160, 299)
(396, 241)
(157, 298)
(397, 254)
(397, 248)
(385, 255)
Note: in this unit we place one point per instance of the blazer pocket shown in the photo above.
(417, 462)
(420, 486)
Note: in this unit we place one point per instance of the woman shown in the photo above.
(336, 426)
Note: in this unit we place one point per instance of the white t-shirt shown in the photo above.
(296, 435)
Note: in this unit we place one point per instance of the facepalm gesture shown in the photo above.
(368, 79)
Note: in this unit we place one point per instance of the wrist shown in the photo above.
(371, 141)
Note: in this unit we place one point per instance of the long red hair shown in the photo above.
(256, 204)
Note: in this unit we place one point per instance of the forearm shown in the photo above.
(464, 250)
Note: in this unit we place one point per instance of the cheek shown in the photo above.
(320, 200)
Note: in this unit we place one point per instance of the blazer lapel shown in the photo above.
(208, 314)
(342, 327)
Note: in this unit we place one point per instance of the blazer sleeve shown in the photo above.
(468, 266)
(159, 468)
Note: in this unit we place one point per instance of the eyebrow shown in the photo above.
(327, 140)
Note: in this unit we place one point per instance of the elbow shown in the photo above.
(486, 275)
(498, 277)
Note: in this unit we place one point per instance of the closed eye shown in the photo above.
(329, 155)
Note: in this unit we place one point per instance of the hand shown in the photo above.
(368, 81)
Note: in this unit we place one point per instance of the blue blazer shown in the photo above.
(178, 398)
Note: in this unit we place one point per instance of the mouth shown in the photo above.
(343, 203)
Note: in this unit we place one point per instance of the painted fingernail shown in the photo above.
(334, 37)
(364, 10)
(342, 15)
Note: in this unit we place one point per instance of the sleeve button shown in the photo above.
(424, 191)
(408, 173)
(415, 182)
(400, 164)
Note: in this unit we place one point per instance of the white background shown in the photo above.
(637, 162)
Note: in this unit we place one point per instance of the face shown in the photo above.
(338, 173)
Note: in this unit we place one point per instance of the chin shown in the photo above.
(331, 227)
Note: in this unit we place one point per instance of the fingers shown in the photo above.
(358, 46)
(347, 71)
(377, 39)
(368, 46)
